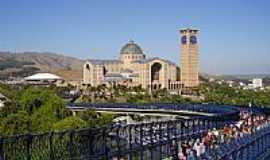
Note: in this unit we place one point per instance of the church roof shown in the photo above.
(108, 61)
(142, 61)
(131, 48)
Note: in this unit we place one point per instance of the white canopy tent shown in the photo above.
(43, 77)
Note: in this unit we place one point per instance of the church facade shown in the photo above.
(133, 68)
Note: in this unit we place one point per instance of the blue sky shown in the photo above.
(234, 34)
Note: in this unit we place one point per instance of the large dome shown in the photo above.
(131, 48)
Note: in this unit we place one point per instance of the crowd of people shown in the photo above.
(195, 149)
(248, 123)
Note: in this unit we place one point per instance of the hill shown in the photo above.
(27, 63)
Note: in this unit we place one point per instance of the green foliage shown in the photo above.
(16, 123)
(223, 94)
(69, 123)
(11, 105)
(39, 107)
(44, 101)
(42, 122)
(88, 114)
(123, 94)
(212, 92)
(138, 98)
(41, 110)
(44, 107)
(94, 119)
(60, 90)
(174, 99)
(31, 100)
(104, 119)
(8, 91)
(9, 108)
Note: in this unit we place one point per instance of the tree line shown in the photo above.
(40, 109)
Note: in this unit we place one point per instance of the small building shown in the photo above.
(44, 79)
(257, 83)
(230, 83)
(242, 84)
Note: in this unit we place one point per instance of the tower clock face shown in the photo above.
(184, 40)
(193, 39)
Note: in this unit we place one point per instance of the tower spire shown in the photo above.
(189, 58)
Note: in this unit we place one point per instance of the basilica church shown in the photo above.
(133, 68)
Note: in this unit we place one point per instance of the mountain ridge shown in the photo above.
(21, 64)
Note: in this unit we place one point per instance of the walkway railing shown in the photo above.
(141, 141)
(149, 141)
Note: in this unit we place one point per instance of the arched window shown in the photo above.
(104, 71)
(87, 66)
(155, 71)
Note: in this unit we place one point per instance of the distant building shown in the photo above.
(211, 80)
(43, 79)
(256, 83)
(220, 82)
(134, 69)
(242, 84)
(230, 83)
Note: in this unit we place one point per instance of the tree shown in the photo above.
(104, 119)
(43, 100)
(72, 122)
(223, 94)
(31, 99)
(47, 108)
(42, 122)
(40, 110)
(8, 91)
(94, 119)
(16, 123)
(10, 107)
(90, 116)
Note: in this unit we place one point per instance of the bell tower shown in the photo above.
(189, 58)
